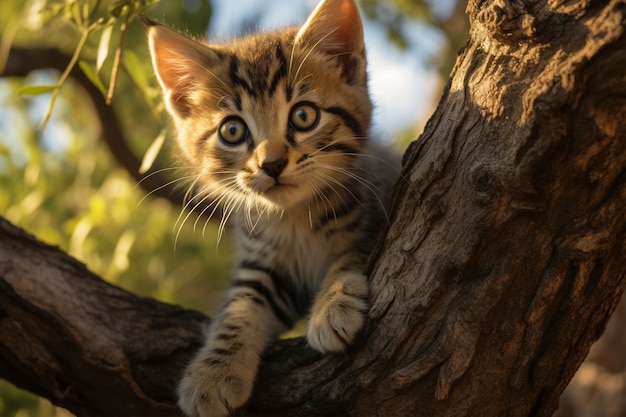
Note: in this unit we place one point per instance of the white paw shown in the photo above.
(213, 386)
(338, 314)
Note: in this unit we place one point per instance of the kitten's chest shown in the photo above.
(291, 247)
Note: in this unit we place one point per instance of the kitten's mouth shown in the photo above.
(279, 187)
(281, 193)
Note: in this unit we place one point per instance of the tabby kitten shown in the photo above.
(274, 127)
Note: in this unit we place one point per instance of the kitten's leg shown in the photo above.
(340, 307)
(221, 376)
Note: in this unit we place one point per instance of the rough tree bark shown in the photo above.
(503, 260)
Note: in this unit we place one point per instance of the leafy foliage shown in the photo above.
(59, 182)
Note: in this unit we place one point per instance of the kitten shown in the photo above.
(274, 127)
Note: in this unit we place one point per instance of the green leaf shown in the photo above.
(103, 47)
(135, 69)
(92, 75)
(152, 153)
(35, 90)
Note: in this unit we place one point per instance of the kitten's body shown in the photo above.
(274, 128)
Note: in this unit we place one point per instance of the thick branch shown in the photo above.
(84, 344)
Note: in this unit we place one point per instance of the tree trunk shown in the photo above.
(503, 260)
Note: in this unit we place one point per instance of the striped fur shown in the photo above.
(274, 128)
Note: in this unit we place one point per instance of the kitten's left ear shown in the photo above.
(334, 27)
(179, 62)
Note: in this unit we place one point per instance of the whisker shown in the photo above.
(317, 191)
(233, 205)
(187, 203)
(339, 183)
(180, 227)
(174, 181)
(203, 197)
(335, 142)
(158, 171)
(215, 204)
(375, 190)
(397, 170)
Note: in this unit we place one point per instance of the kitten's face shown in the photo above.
(275, 119)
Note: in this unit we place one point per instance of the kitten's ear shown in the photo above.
(334, 27)
(178, 62)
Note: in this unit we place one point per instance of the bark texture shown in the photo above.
(504, 258)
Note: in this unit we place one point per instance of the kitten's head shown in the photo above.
(275, 118)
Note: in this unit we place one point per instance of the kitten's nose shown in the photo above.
(274, 167)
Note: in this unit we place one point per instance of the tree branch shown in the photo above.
(69, 336)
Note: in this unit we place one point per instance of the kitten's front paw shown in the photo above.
(212, 387)
(338, 314)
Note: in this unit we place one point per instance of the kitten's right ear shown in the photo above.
(335, 27)
(179, 62)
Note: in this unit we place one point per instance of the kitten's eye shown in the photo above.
(304, 116)
(233, 131)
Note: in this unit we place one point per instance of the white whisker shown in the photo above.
(174, 181)
(231, 206)
(158, 171)
(215, 204)
(201, 198)
(397, 170)
(375, 190)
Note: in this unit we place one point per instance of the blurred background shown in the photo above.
(84, 159)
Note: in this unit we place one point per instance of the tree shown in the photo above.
(502, 262)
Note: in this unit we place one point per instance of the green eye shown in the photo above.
(304, 116)
(233, 131)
